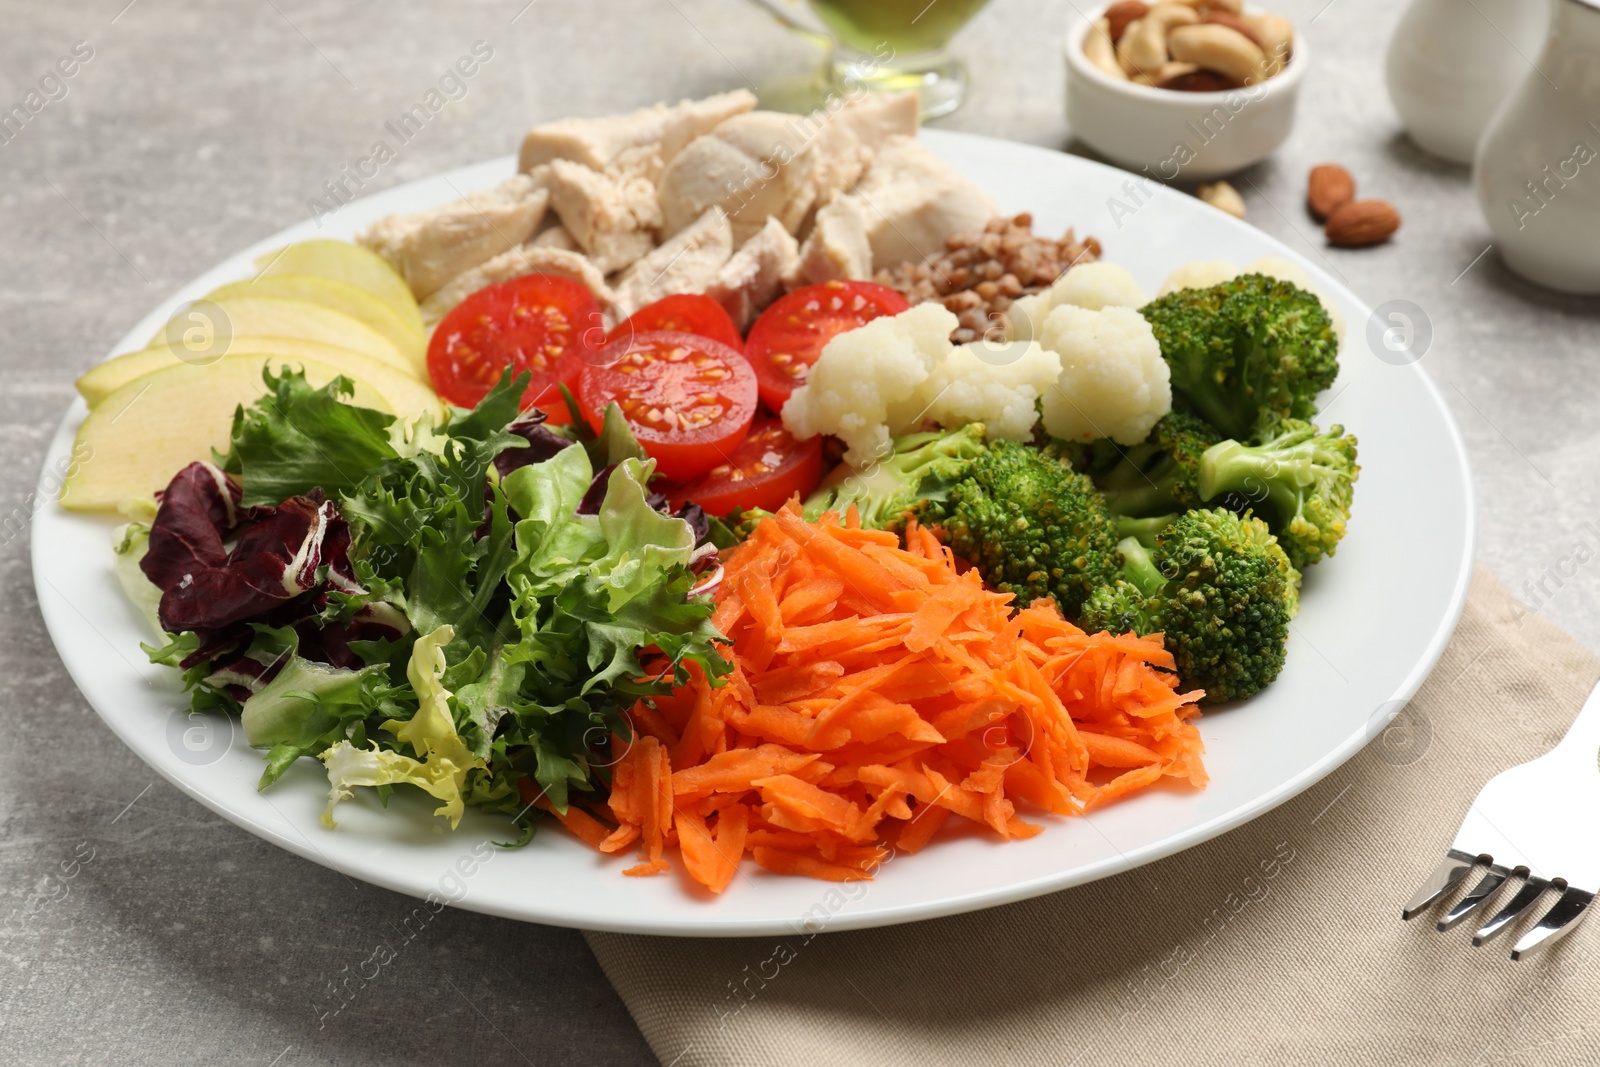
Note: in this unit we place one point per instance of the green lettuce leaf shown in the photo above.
(642, 544)
(297, 437)
(303, 702)
(616, 441)
(442, 760)
(521, 623)
(130, 542)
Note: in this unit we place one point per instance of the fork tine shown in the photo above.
(1509, 914)
(1556, 924)
(1441, 881)
(1476, 897)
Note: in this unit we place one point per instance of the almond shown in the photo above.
(1360, 223)
(1234, 22)
(1122, 13)
(1330, 188)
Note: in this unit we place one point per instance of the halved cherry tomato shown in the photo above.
(767, 468)
(689, 400)
(534, 323)
(693, 313)
(789, 336)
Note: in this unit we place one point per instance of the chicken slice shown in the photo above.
(660, 131)
(753, 277)
(837, 247)
(766, 164)
(876, 117)
(848, 139)
(753, 167)
(686, 263)
(528, 259)
(555, 237)
(914, 200)
(612, 217)
(430, 247)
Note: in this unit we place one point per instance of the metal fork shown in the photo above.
(1534, 824)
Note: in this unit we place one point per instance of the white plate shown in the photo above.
(1373, 622)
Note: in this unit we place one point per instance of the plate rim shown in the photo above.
(710, 925)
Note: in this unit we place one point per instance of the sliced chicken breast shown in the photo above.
(767, 164)
(555, 237)
(753, 277)
(528, 259)
(431, 247)
(660, 131)
(688, 262)
(613, 218)
(914, 200)
(838, 248)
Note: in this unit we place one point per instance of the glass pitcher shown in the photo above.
(887, 45)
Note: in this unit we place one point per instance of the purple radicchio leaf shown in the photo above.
(199, 509)
(275, 559)
(542, 444)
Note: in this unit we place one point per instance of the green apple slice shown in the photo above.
(106, 378)
(136, 439)
(338, 295)
(204, 331)
(347, 262)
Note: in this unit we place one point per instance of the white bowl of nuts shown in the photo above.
(1184, 90)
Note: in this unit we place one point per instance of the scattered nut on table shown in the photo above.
(1189, 45)
(1361, 223)
(1329, 188)
(1223, 197)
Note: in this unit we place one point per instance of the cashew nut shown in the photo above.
(1228, 52)
(1143, 47)
(1276, 35)
(1230, 6)
(1166, 72)
(1223, 197)
(1098, 49)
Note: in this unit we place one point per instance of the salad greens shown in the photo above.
(468, 608)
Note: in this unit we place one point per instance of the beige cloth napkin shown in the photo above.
(1280, 942)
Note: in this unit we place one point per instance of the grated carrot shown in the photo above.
(877, 692)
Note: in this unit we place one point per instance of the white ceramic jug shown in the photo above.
(1537, 168)
(1451, 63)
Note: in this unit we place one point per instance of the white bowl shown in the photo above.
(1178, 136)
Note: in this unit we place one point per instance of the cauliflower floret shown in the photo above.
(998, 385)
(1098, 285)
(1113, 381)
(1090, 285)
(866, 387)
(1198, 274)
(1024, 312)
(1282, 269)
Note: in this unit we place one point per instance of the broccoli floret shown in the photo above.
(1143, 531)
(1030, 524)
(1297, 478)
(1158, 476)
(1221, 590)
(1247, 351)
(920, 466)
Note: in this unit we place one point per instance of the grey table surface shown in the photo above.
(142, 929)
